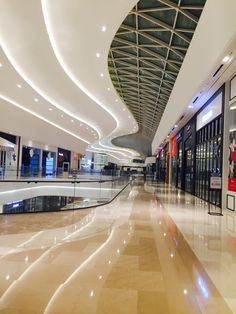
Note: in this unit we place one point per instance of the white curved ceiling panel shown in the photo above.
(26, 44)
(68, 43)
(52, 47)
(77, 50)
(20, 122)
(30, 101)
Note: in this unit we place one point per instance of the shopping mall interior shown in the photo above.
(117, 157)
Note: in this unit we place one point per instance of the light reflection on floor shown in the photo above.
(126, 257)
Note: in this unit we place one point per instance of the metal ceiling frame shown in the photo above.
(147, 53)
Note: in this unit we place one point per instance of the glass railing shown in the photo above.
(36, 172)
(50, 194)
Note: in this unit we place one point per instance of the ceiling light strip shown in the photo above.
(42, 118)
(39, 91)
(92, 150)
(133, 153)
(44, 4)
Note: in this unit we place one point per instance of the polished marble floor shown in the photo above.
(152, 250)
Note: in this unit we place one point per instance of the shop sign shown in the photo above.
(232, 184)
(215, 183)
(212, 111)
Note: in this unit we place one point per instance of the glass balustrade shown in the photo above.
(31, 195)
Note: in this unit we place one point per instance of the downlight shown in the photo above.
(226, 58)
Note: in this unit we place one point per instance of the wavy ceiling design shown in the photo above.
(53, 73)
(146, 55)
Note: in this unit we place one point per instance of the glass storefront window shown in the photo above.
(208, 160)
(232, 148)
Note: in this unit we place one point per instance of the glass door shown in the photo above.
(179, 166)
(188, 160)
(2, 162)
(208, 161)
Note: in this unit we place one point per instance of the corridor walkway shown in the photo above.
(130, 257)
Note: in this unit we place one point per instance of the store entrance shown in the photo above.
(209, 160)
(2, 162)
(179, 165)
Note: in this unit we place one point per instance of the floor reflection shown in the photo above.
(135, 255)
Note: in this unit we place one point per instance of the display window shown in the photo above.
(209, 160)
(232, 149)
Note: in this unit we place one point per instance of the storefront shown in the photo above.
(209, 148)
(231, 156)
(63, 160)
(196, 151)
(173, 156)
(30, 163)
(8, 154)
(163, 164)
(48, 163)
(189, 145)
(179, 161)
(100, 160)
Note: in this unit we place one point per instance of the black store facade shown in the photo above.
(185, 164)
(199, 147)
(162, 163)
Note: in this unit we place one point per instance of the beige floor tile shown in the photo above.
(150, 302)
(135, 256)
(117, 301)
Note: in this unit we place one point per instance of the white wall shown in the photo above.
(214, 33)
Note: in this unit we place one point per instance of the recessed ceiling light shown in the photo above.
(72, 120)
(0, 65)
(226, 59)
(104, 28)
(116, 100)
(87, 128)
(124, 109)
(98, 55)
(190, 106)
(101, 74)
(129, 117)
(50, 109)
(62, 116)
(36, 99)
(18, 85)
(108, 89)
(80, 124)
